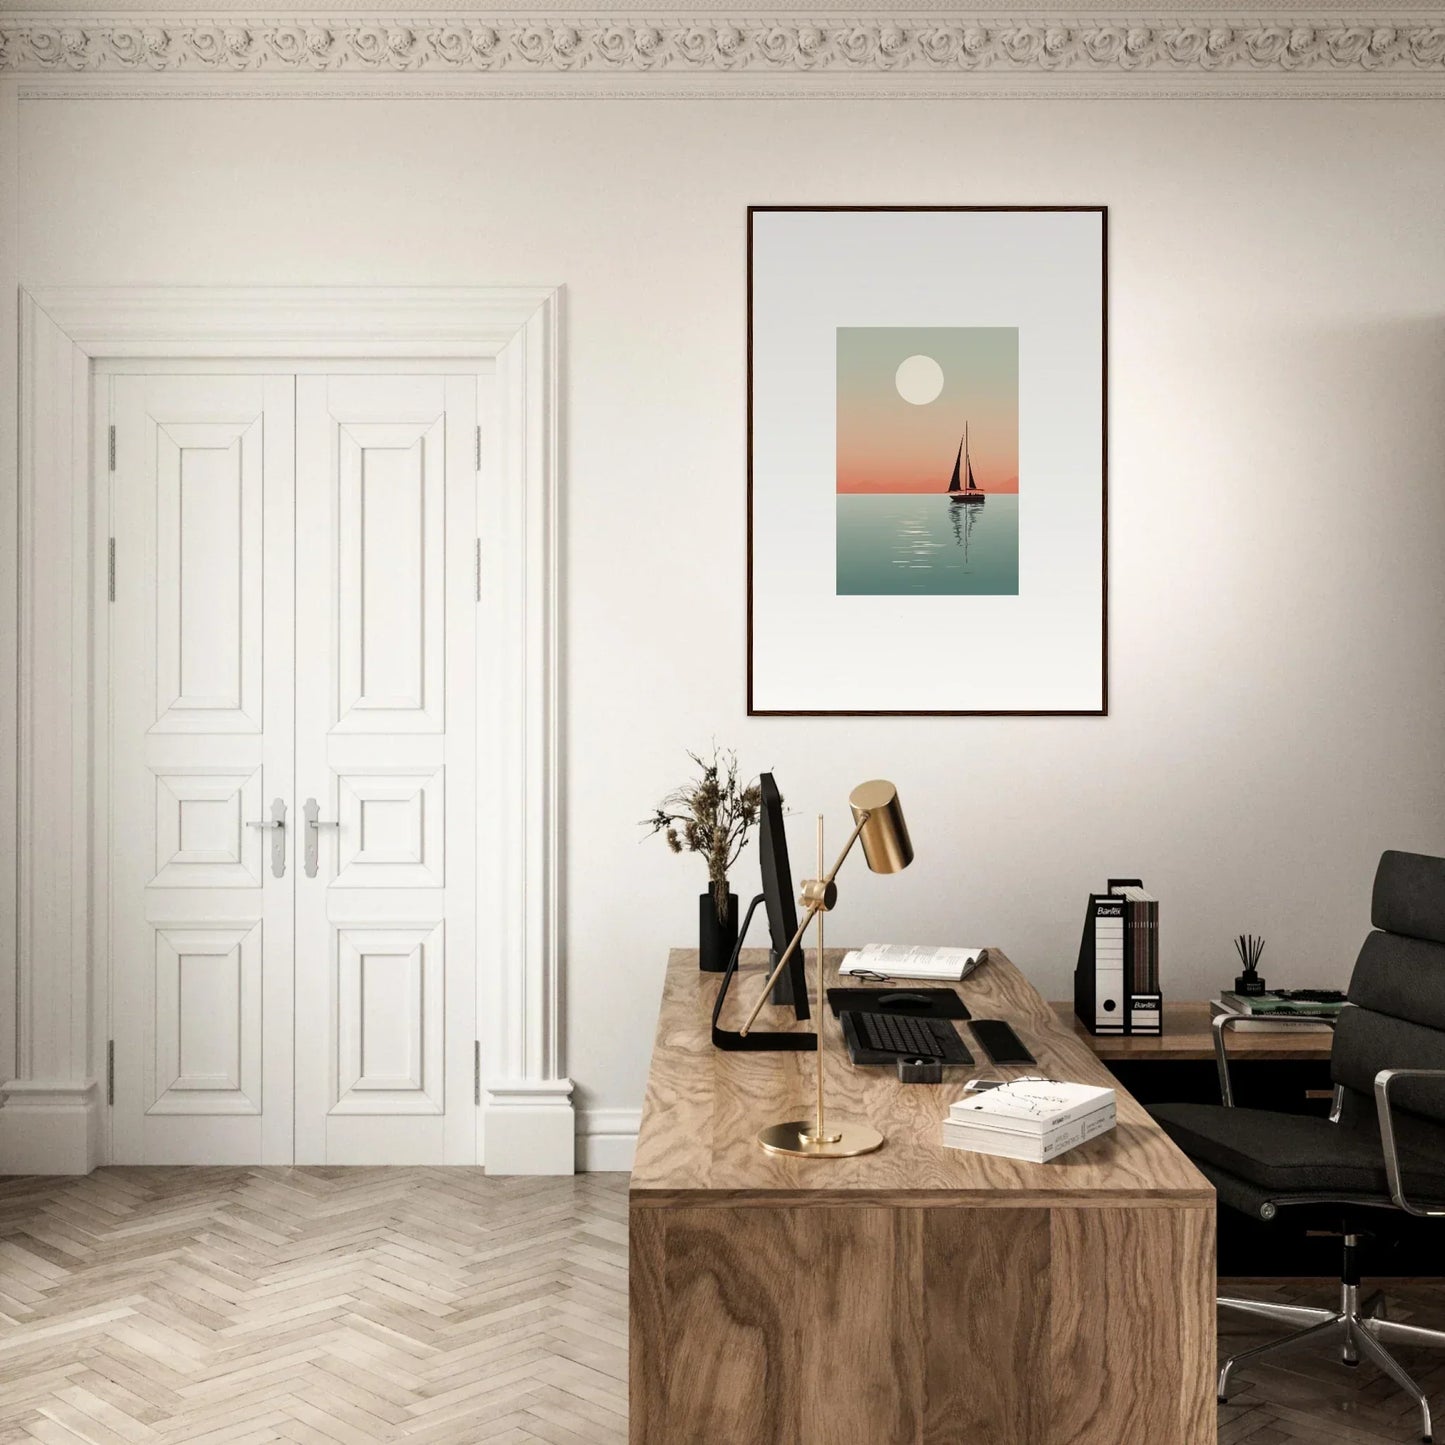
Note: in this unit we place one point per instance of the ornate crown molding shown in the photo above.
(922, 49)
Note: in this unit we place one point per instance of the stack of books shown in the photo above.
(1261, 1011)
(1032, 1119)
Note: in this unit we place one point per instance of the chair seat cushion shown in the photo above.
(1293, 1153)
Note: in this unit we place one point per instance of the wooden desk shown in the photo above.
(918, 1295)
(1187, 1036)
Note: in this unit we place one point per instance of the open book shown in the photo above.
(902, 960)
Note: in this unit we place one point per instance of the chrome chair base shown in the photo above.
(1360, 1328)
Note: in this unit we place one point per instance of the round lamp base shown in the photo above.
(846, 1139)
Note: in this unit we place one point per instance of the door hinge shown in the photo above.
(479, 449)
(476, 1071)
(479, 569)
(111, 445)
(110, 1072)
(110, 569)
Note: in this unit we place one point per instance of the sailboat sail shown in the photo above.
(961, 485)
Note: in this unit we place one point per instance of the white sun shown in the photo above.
(919, 380)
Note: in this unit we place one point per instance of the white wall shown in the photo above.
(1277, 480)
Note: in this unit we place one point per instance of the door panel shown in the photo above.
(390, 992)
(208, 577)
(386, 731)
(390, 610)
(392, 827)
(208, 1020)
(202, 637)
(201, 832)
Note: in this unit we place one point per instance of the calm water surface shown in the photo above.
(889, 545)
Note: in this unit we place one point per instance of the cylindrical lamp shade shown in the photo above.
(886, 844)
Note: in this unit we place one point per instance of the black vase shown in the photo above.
(716, 938)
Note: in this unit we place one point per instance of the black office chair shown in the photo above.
(1382, 1150)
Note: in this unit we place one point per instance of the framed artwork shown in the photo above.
(927, 460)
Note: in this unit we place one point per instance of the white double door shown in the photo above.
(292, 643)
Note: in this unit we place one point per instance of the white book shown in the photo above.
(1035, 1148)
(1032, 1106)
(904, 960)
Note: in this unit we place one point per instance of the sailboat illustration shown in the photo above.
(965, 489)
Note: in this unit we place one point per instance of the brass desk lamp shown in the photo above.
(878, 822)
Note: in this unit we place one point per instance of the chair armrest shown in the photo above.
(1383, 1080)
(1222, 1023)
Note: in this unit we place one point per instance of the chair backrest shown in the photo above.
(1398, 995)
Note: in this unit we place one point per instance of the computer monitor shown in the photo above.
(791, 987)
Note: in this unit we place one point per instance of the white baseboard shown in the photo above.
(49, 1128)
(530, 1127)
(607, 1139)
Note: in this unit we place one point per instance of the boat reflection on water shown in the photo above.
(920, 543)
(963, 519)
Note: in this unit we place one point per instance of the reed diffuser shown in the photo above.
(1249, 948)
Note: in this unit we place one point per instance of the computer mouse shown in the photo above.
(903, 1000)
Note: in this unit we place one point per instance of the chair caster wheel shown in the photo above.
(1221, 1399)
(1353, 1364)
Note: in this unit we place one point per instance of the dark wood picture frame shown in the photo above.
(1103, 709)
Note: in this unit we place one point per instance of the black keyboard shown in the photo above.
(882, 1038)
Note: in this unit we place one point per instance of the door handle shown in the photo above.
(276, 821)
(314, 825)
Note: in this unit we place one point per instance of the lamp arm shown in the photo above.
(813, 910)
(848, 847)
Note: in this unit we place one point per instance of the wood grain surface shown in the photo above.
(987, 1374)
(1188, 1036)
(918, 1295)
(704, 1107)
(784, 1325)
(861, 1325)
(1132, 1325)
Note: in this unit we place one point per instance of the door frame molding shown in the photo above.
(52, 1119)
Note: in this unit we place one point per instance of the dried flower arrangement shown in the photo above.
(711, 815)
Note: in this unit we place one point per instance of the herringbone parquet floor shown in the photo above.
(347, 1306)
(340, 1306)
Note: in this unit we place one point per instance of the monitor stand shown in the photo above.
(760, 1040)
